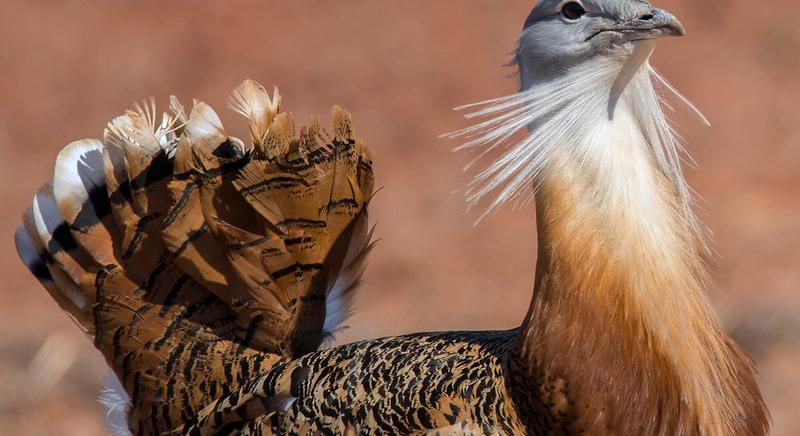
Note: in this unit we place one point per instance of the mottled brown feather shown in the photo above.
(209, 268)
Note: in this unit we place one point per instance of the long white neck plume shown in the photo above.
(558, 113)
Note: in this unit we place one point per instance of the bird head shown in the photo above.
(562, 34)
(583, 64)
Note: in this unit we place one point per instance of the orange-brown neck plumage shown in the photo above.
(620, 334)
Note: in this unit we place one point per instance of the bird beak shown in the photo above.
(658, 23)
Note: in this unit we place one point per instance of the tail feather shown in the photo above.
(277, 140)
(116, 182)
(196, 260)
(204, 127)
(344, 278)
(252, 101)
(55, 235)
(54, 280)
(80, 193)
(185, 234)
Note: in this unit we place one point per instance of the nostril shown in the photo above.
(647, 17)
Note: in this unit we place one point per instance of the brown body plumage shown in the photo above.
(210, 271)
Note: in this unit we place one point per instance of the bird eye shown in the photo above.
(573, 11)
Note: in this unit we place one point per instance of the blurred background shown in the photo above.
(67, 67)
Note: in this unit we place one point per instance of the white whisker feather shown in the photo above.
(555, 113)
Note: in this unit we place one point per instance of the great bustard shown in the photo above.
(209, 270)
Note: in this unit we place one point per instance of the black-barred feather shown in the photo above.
(187, 256)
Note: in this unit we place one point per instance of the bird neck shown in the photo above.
(620, 337)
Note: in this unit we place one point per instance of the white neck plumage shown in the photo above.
(619, 319)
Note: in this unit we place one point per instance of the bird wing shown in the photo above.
(194, 258)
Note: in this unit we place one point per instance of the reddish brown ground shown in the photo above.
(66, 67)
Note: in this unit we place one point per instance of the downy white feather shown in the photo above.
(116, 402)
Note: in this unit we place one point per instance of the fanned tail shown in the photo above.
(196, 260)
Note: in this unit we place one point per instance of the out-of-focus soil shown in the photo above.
(66, 67)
